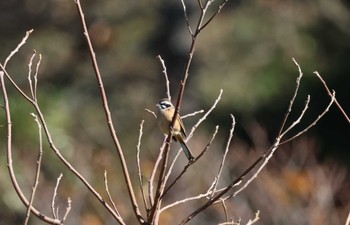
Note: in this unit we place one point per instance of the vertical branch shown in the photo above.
(38, 168)
(109, 117)
(138, 150)
(161, 182)
(153, 173)
(167, 83)
(36, 76)
(30, 73)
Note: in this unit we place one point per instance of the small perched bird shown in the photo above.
(166, 112)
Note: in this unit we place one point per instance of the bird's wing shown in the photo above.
(183, 131)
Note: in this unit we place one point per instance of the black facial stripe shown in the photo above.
(165, 105)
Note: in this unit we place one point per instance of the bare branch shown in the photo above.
(161, 183)
(38, 168)
(109, 117)
(24, 40)
(56, 150)
(10, 160)
(331, 94)
(313, 123)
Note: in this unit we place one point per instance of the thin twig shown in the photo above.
(153, 113)
(217, 178)
(30, 73)
(204, 117)
(33, 89)
(186, 200)
(299, 118)
(216, 12)
(293, 98)
(186, 17)
(313, 123)
(225, 209)
(18, 47)
(138, 150)
(330, 94)
(167, 83)
(192, 114)
(38, 168)
(250, 222)
(69, 207)
(153, 173)
(36, 77)
(109, 117)
(55, 214)
(110, 196)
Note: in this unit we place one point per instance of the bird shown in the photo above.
(165, 115)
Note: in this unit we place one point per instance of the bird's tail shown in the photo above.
(186, 150)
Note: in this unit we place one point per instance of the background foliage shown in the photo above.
(246, 51)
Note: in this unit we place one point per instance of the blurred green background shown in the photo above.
(247, 51)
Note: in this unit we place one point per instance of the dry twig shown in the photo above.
(330, 93)
(38, 168)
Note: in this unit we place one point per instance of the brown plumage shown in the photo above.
(166, 112)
